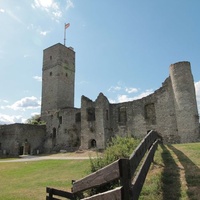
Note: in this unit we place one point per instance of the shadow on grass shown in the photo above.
(171, 186)
(192, 174)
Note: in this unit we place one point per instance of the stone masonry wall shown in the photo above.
(187, 117)
(63, 128)
(13, 137)
(58, 78)
(171, 110)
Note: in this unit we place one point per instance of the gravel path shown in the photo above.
(48, 157)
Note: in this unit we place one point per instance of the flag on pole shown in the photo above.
(67, 25)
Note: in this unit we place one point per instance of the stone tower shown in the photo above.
(58, 77)
(185, 102)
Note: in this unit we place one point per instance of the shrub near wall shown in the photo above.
(119, 147)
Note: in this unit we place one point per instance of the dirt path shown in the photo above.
(79, 155)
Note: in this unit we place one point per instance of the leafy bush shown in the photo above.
(119, 147)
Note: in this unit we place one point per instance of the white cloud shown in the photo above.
(26, 103)
(120, 86)
(124, 98)
(131, 90)
(35, 113)
(144, 94)
(10, 119)
(2, 10)
(112, 100)
(57, 14)
(125, 92)
(114, 88)
(3, 101)
(45, 4)
(69, 4)
(38, 29)
(30, 27)
(44, 33)
(50, 6)
(38, 78)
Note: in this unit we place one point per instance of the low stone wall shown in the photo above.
(16, 139)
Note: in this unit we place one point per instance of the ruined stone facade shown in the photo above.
(171, 110)
(18, 139)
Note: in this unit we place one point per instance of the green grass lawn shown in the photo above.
(28, 180)
(174, 175)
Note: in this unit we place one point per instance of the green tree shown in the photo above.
(36, 119)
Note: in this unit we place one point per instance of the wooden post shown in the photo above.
(50, 193)
(125, 178)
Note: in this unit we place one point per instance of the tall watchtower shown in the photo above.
(58, 77)
(187, 117)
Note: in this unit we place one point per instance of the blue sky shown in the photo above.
(123, 48)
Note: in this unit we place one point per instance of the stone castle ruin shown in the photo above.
(171, 110)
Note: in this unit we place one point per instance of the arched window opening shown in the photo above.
(54, 133)
(78, 117)
(91, 114)
(60, 120)
(122, 115)
(92, 143)
(107, 115)
(26, 147)
(150, 113)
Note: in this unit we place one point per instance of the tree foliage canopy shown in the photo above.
(36, 119)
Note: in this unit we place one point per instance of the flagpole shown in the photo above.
(64, 33)
(65, 27)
